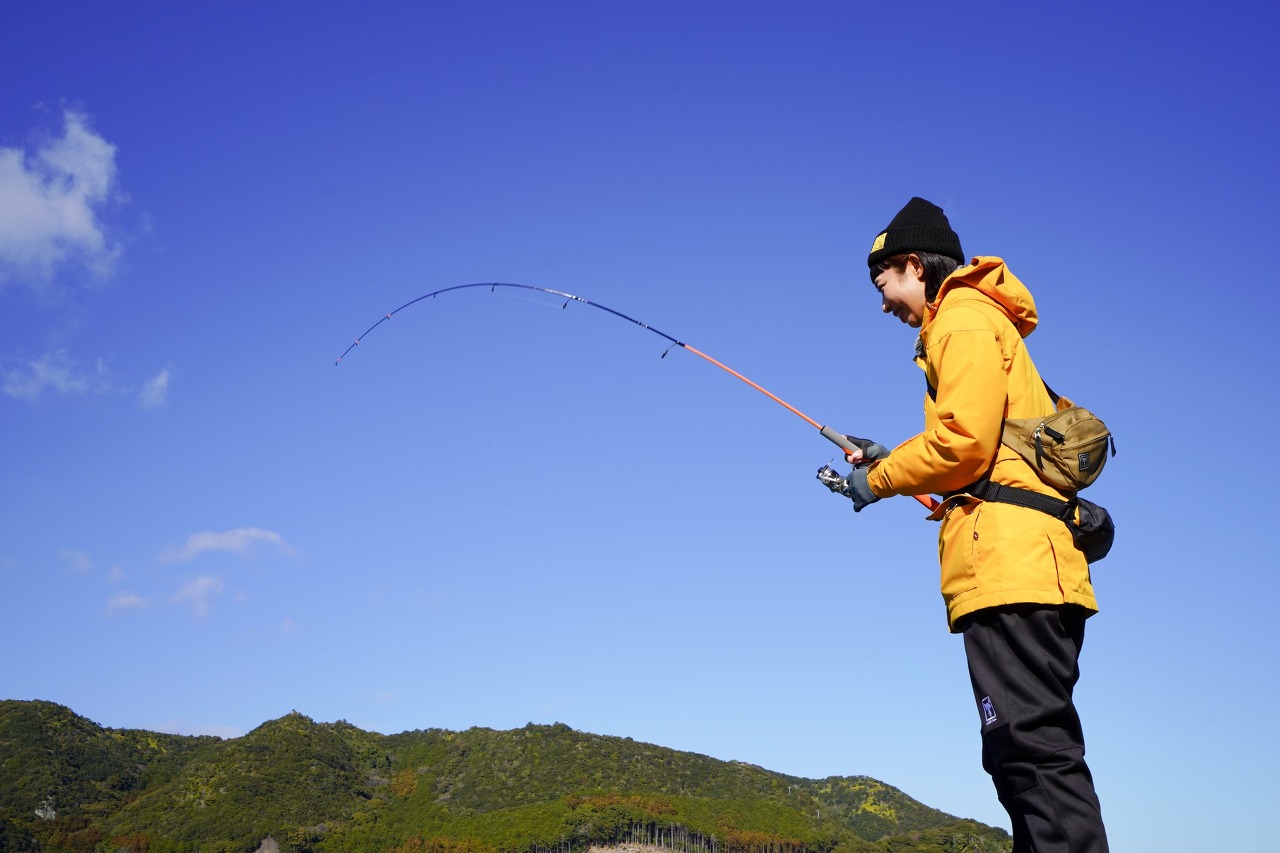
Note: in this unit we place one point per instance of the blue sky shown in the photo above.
(496, 511)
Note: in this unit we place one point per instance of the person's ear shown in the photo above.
(915, 265)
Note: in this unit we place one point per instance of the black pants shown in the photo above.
(1023, 662)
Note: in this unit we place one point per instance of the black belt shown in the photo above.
(989, 491)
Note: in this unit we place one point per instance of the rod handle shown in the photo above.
(845, 444)
(839, 440)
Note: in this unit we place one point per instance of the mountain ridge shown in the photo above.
(70, 784)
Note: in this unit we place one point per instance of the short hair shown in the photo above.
(936, 269)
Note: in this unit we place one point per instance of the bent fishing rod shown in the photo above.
(852, 451)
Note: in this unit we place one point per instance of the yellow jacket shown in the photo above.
(971, 349)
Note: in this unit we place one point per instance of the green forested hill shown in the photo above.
(68, 784)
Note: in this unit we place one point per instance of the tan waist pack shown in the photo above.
(1068, 449)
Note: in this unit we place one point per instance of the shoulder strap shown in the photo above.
(933, 392)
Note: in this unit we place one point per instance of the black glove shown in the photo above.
(871, 451)
(858, 490)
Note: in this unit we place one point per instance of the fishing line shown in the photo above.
(826, 431)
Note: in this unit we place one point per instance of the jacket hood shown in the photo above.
(990, 277)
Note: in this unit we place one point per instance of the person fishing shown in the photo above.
(1015, 585)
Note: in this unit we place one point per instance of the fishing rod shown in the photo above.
(852, 451)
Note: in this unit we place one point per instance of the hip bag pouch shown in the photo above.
(1068, 449)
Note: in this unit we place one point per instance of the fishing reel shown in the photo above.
(832, 479)
(864, 450)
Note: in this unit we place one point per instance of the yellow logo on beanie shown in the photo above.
(879, 243)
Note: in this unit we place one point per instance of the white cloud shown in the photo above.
(199, 593)
(57, 373)
(50, 201)
(238, 541)
(77, 560)
(155, 393)
(125, 601)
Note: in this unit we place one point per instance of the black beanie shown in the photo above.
(919, 227)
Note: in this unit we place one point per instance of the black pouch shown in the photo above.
(1095, 531)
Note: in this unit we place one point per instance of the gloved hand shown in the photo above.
(854, 487)
(871, 451)
(858, 490)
